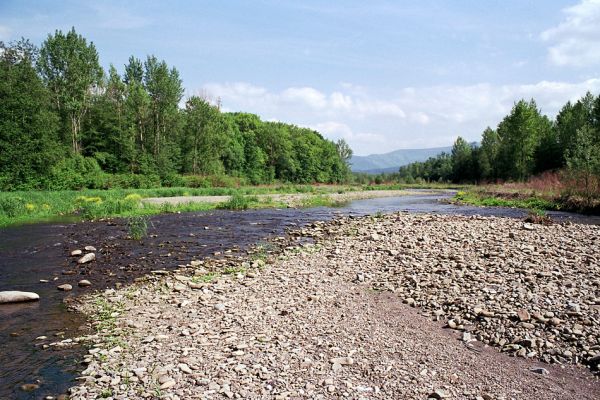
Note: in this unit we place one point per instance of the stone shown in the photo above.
(90, 248)
(168, 384)
(84, 283)
(219, 307)
(87, 258)
(528, 227)
(14, 296)
(342, 360)
(438, 394)
(540, 370)
(65, 287)
(76, 253)
(29, 387)
(185, 368)
(523, 315)
(594, 362)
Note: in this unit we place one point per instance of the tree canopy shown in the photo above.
(65, 123)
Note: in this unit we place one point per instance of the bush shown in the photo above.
(238, 202)
(12, 206)
(137, 227)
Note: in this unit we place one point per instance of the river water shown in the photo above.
(37, 252)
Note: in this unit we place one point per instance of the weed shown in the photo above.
(137, 227)
(206, 278)
(238, 202)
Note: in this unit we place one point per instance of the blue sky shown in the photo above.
(381, 74)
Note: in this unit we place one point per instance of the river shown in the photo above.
(31, 253)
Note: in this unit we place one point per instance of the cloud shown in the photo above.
(576, 40)
(412, 117)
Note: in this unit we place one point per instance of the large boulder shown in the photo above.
(13, 296)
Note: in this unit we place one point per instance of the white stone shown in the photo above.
(13, 296)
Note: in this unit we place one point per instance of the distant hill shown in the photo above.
(390, 162)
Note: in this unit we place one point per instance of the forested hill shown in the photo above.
(65, 123)
(393, 160)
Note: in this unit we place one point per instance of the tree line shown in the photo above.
(65, 123)
(524, 143)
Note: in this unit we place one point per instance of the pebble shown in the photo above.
(84, 283)
(65, 287)
(14, 296)
(87, 258)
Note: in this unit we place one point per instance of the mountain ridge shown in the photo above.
(386, 162)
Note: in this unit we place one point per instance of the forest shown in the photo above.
(65, 123)
(525, 143)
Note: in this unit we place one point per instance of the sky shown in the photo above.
(383, 75)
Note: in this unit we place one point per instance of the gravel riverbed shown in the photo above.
(399, 306)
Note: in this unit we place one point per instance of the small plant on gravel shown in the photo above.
(106, 393)
(238, 202)
(137, 227)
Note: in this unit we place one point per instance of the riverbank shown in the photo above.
(527, 198)
(360, 312)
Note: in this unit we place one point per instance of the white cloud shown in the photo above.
(576, 40)
(412, 118)
(307, 95)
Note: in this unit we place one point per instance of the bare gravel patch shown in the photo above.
(291, 200)
(363, 312)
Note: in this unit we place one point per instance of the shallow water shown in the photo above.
(41, 251)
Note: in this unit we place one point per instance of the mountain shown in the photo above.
(390, 162)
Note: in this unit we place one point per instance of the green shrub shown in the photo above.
(238, 202)
(137, 227)
(12, 206)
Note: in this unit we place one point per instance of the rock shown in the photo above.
(87, 258)
(90, 248)
(528, 227)
(540, 370)
(168, 384)
(594, 362)
(13, 296)
(219, 307)
(438, 394)
(523, 315)
(29, 387)
(185, 368)
(342, 361)
(65, 287)
(84, 283)
(76, 253)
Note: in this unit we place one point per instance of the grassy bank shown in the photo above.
(38, 206)
(33, 206)
(481, 197)
(498, 196)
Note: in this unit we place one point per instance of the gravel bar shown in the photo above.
(400, 306)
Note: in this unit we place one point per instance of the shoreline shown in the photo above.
(279, 326)
(294, 200)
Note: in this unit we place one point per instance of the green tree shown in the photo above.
(204, 137)
(583, 162)
(519, 135)
(72, 73)
(28, 126)
(462, 163)
(165, 90)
